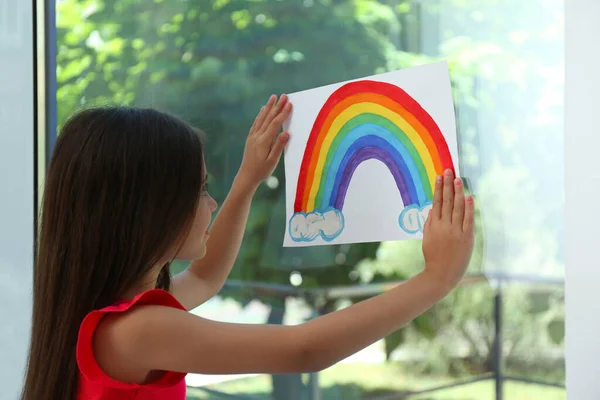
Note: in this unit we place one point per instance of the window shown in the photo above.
(215, 62)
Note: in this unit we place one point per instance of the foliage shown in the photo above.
(214, 63)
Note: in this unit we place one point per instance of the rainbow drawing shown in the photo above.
(364, 120)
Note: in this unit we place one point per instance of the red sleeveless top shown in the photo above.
(94, 384)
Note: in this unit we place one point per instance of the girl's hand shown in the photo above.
(263, 146)
(448, 235)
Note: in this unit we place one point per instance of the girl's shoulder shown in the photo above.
(98, 348)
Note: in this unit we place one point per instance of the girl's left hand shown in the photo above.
(263, 146)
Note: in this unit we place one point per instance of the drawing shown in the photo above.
(367, 120)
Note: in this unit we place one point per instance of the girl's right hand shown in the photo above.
(448, 234)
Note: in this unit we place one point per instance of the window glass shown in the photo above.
(215, 62)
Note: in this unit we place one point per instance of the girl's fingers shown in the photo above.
(278, 147)
(272, 113)
(459, 203)
(264, 114)
(272, 129)
(258, 120)
(436, 210)
(448, 196)
(469, 220)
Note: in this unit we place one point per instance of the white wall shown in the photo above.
(16, 190)
(582, 191)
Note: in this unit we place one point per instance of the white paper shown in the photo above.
(373, 206)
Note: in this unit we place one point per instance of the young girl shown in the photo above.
(124, 195)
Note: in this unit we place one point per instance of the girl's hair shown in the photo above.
(121, 191)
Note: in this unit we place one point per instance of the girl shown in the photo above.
(124, 195)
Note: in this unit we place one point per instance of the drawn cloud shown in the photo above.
(412, 219)
(307, 227)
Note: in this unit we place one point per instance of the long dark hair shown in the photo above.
(121, 191)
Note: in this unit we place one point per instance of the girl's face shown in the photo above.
(194, 247)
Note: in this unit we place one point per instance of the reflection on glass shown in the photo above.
(215, 62)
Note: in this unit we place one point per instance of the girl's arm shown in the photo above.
(161, 338)
(172, 340)
(204, 278)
